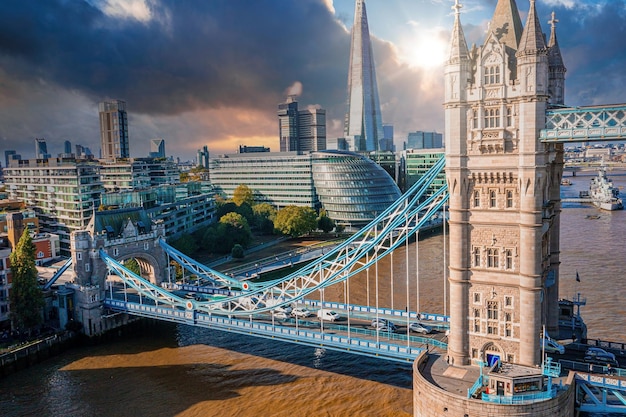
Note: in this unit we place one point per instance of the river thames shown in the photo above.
(176, 370)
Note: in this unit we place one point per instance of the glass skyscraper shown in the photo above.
(363, 127)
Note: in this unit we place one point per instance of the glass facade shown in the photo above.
(363, 125)
(418, 162)
(352, 188)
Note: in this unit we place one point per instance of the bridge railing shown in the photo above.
(520, 399)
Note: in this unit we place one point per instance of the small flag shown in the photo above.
(577, 277)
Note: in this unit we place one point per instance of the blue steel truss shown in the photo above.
(389, 230)
(57, 274)
(601, 393)
(582, 124)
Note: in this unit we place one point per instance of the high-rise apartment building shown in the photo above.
(363, 127)
(62, 191)
(301, 130)
(157, 148)
(114, 130)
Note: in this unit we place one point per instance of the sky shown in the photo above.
(212, 72)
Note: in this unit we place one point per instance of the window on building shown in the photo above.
(492, 310)
(474, 353)
(492, 75)
(492, 317)
(509, 199)
(477, 298)
(509, 117)
(87, 267)
(474, 119)
(79, 256)
(492, 258)
(492, 199)
(116, 252)
(508, 259)
(492, 118)
(508, 301)
(476, 320)
(476, 256)
(476, 198)
(508, 325)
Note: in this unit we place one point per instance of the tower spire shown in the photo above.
(506, 24)
(532, 40)
(458, 45)
(556, 76)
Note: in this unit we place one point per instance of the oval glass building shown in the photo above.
(352, 188)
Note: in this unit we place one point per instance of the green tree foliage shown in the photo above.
(225, 208)
(246, 211)
(295, 221)
(237, 229)
(264, 215)
(186, 244)
(243, 194)
(25, 296)
(237, 251)
(132, 265)
(325, 223)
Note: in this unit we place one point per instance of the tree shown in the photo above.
(225, 208)
(325, 223)
(264, 215)
(186, 244)
(243, 194)
(295, 221)
(25, 296)
(237, 251)
(133, 266)
(237, 229)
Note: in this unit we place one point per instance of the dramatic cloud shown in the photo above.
(213, 72)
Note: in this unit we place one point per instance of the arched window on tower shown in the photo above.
(492, 75)
(492, 118)
(492, 199)
(509, 199)
(476, 198)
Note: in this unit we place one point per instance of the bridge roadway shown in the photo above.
(352, 333)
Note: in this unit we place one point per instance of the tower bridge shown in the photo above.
(505, 127)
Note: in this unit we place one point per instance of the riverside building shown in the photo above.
(351, 187)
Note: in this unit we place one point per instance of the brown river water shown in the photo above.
(177, 370)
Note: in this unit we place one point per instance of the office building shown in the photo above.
(252, 149)
(41, 149)
(11, 155)
(301, 130)
(157, 148)
(113, 130)
(351, 187)
(416, 163)
(202, 158)
(424, 140)
(363, 127)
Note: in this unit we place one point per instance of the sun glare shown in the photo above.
(425, 49)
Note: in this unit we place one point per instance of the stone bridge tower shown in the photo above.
(504, 190)
(122, 234)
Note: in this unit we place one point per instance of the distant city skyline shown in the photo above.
(184, 83)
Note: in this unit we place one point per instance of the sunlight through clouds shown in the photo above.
(127, 9)
(424, 47)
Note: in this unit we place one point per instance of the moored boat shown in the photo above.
(603, 194)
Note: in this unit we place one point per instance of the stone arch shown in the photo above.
(490, 349)
(148, 264)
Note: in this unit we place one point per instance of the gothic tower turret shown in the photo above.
(503, 187)
(556, 80)
(457, 78)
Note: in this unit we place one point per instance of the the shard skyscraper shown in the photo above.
(363, 127)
